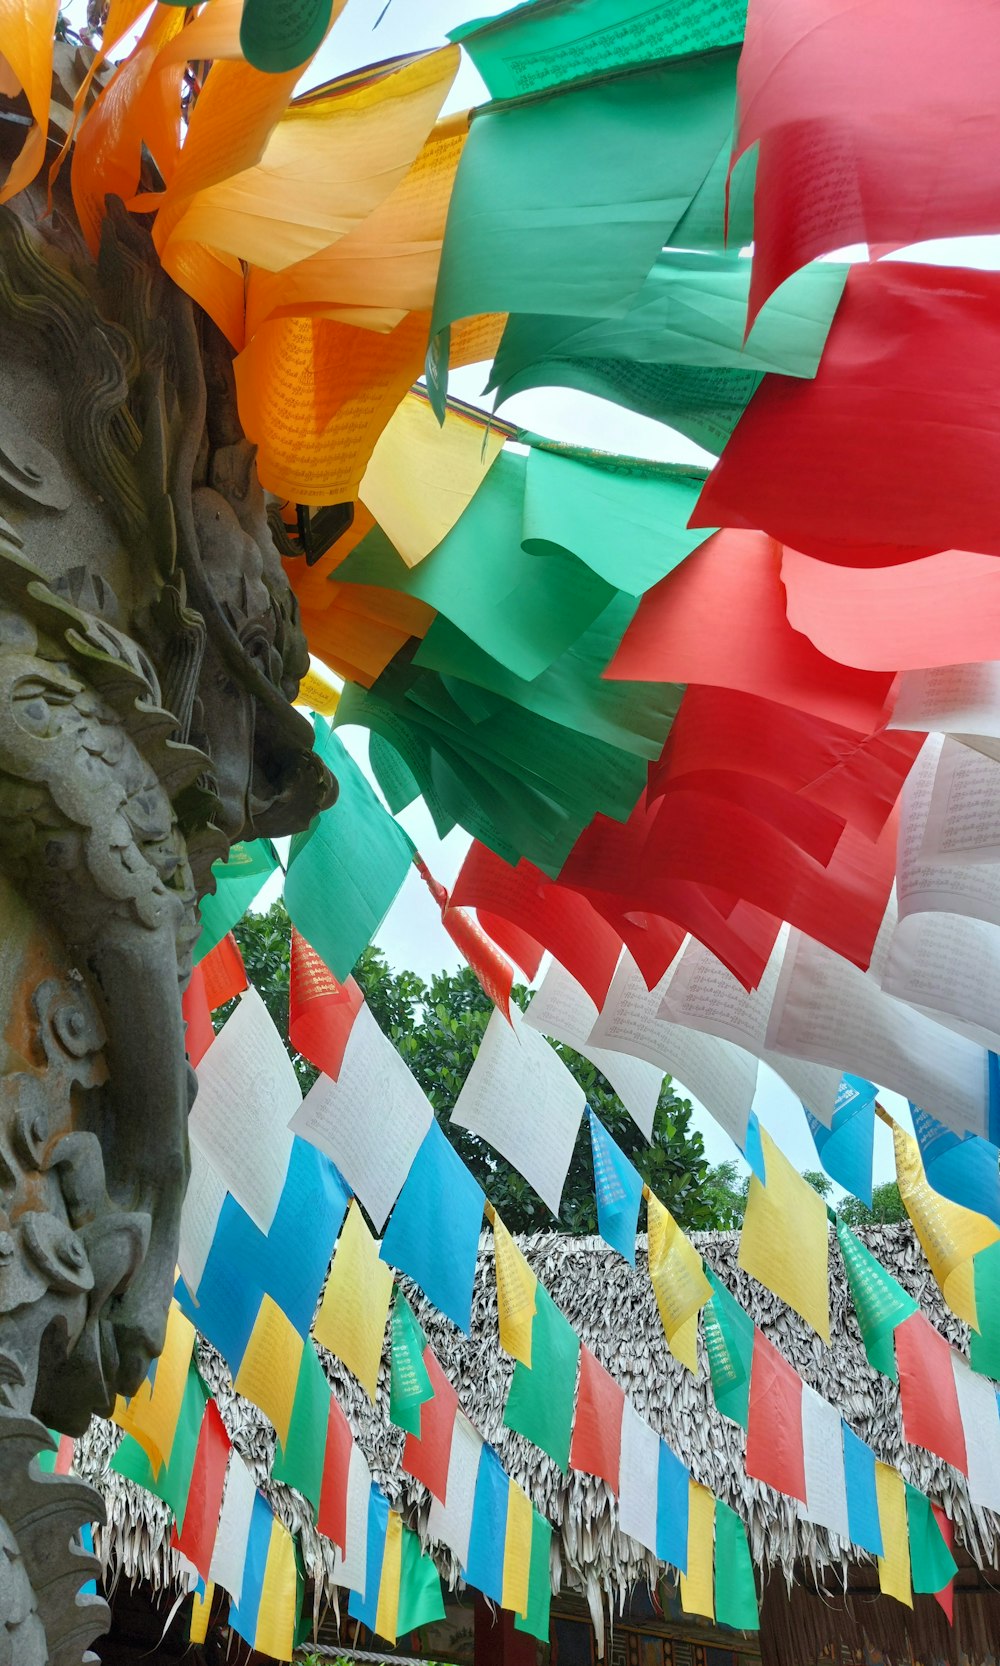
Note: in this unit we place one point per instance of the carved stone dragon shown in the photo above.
(149, 654)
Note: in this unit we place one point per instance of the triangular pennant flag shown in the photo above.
(879, 1302)
(729, 1334)
(774, 1432)
(410, 1382)
(597, 1428)
(321, 1009)
(618, 1185)
(735, 1587)
(678, 1279)
(785, 1243)
(540, 1401)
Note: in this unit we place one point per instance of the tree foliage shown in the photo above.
(437, 1028)
(887, 1207)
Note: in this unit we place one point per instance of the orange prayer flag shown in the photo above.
(27, 35)
(314, 397)
(321, 1009)
(223, 971)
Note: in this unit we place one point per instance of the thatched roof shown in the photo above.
(614, 1312)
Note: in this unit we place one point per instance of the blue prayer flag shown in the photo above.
(365, 1608)
(243, 1616)
(671, 1509)
(484, 1569)
(846, 1148)
(753, 1150)
(862, 1500)
(433, 1235)
(965, 1170)
(618, 1185)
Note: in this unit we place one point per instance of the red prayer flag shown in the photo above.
(224, 973)
(197, 1016)
(940, 610)
(523, 950)
(905, 456)
(946, 1595)
(597, 1429)
(775, 1453)
(321, 1009)
(427, 1459)
(932, 1417)
(855, 775)
(719, 618)
(64, 1454)
(494, 971)
(331, 1518)
(208, 1479)
(564, 922)
(873, 127)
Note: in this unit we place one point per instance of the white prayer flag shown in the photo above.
(522, 1100)
(247, 1090)
(977, 1403)
(562, 1009)
(451, 1522)
(823, 1461)
(638, 1479)
(721, 1076)
(230, 1552)
(350, 1566)
(371, 1120)
(954, 699)
(203, 1201)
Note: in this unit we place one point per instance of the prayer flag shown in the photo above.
(300, 1460)
(927, 1392)
(823, 1464)
(355, 1306)
(679, 1284)
(388, 1590)
(945, 1597)
(965, 1171)
(879, 1302)
(977, 1403)
(420, 1599)
(321, 1009)
(894, 1563)
(845, 1149)
(950, 1235)
(278, 1613)
(638, 1491)
(331, 1517)
(238, 879)
(597, 1426)
(427, 1455)
(433, 1232)
(562, 1010)
(450, 1518)
(774, 1430)
(238, 1504)
(363, 1604)
(353, 851)
(517, 1294)
(205, 1490)
(269, 1370)
(863, 1520)
(517, 1550)
(932, 1564)
(410, 1384)
(984, 1344)
(535, 1618)
(484, 1568)
(618, 1185)
(735, 1586)
(672, 1501)
(151, 1415)
(245, 1610)
(540, 1401)
(785, 1240)
(171, 1479)
(697, 1591)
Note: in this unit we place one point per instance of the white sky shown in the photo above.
(412, 936)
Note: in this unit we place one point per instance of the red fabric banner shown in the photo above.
(197, 1015)
(321, 1009)
(946, 1596)
(427, 1459)
(204, 1502)
(932, 1417)
(494, 971)
(597, 1429)
(775, 1452)
(331, 1517)
(224, 973)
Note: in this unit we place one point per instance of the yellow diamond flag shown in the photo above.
(679, 1283)
(355, 1305)
(785, 1240)
(269, 1372)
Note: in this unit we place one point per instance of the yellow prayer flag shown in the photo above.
(678, 1279)
(697, 1585)
(388, 1591)
(949, 1234)
(785, 1239)
(355, 1305)
(269, 1371)
(27, 36)
(363, 628)
(277, 1613)
(388, 265)
(314, 396)
(328, 162)
(517, 1551)
(475, 340)
(150, 1417)
(422, 476)
(894, 1566)
(318, 691)
(516, 1287)
(201, 1613)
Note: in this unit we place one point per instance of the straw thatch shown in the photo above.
(613, 1310)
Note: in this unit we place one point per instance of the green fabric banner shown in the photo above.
(984, 1344)
(541, 1399)
(410, 1384)
(880, 1303)
(246, 870)
(536, 1620)
(174, 1480)
(729, 1341)
(420, 1599)
(932, 1566)
(735, 1587)
(345, 870)
(300, 1463)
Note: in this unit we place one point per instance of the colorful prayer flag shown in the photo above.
(774, 1431)
(678, 1279)
(597, 1426)
(540, 1401)
(355, 1305)
(433, 1231)
(785, 1239)
(618, 1185)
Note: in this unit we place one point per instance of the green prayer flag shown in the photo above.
(735, 1586)
(247, 868)
(345, 870)
(984, 1344)
(523, 611)
(541, 1399)
(300, 1462)
(540, 45)
(880, 1303)
(420, 1599)
(562, 202)
(173, 1482)
(278, 35)
(729, 1334)
(410, 1382)
(536, 1619)
(932, 1566)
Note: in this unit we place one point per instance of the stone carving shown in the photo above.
(149, 652)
